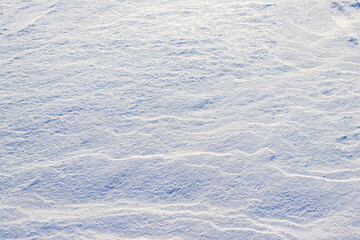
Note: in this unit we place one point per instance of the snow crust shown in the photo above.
(181, 119)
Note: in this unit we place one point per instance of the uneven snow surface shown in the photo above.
(179, 119)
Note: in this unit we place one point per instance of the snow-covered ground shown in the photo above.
(179, 119)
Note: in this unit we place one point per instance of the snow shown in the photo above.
(179, 119)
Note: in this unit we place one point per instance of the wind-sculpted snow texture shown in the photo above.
(209, 119)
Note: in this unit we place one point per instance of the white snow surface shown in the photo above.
(202, 119)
